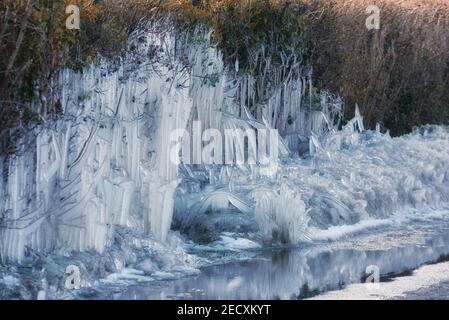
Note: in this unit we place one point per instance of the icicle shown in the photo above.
(359, 119)
(105, 159)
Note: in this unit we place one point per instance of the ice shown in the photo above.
(308, 271)
(10, 281)
(127, 275)
(337, 232)
(106, 163)
(235, 243)
(352, 182)
(103, 163)
(281, 216)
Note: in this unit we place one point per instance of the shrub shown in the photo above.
(399, 75)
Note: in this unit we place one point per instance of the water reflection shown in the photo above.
(295, 273)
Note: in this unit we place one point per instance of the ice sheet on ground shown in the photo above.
(422, 278)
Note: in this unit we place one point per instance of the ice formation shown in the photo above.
(104, 164)
(107, 161)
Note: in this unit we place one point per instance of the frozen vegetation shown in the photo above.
(98, 188)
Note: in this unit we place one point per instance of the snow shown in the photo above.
(424, 277)
(10, 281)
(127, 275)
(231, 243)
(337, 232)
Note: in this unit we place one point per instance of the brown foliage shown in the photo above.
(399, 75)
(35, 44)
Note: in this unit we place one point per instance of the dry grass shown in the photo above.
(399, 74)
